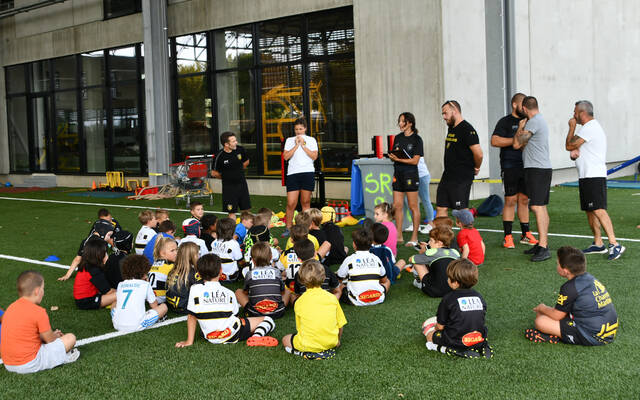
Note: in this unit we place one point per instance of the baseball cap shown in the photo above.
(465, 216)
(123, 240)
(328, 214)
(260, 233)
(191, 226)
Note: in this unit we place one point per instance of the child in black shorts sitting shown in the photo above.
(430, 266)
(459, 327)
(584, 313)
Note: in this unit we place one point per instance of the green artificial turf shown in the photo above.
(383, 353)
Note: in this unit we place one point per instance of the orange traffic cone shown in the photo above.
(93, 187)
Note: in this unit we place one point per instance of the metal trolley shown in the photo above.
(190, 177)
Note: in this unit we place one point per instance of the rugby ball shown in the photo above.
(429, 324)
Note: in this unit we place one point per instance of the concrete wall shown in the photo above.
(398, 54)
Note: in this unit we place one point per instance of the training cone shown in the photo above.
(93, 187)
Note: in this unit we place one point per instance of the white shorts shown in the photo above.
(149, 319)
(49, 356)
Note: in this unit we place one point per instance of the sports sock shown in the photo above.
(507, 227)
(265, 327)
(524, 226)
(435, 347)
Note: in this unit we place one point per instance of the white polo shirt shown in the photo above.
(592, 162)
(300, 162)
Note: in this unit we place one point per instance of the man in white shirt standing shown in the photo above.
(589, 150)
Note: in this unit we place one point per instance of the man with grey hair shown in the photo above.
(589, 150)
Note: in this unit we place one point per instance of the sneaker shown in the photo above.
(508, 242)
(323, 355)
(408, 228)
(538, 337)
(285, 233)
(72, 356)
(615, 251)
(542, 254)
(532, 250)
(262, 341)
(593, 249)
(529, 239)
(417, 283)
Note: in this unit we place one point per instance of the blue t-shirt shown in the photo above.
(241, 231)
(148, 249)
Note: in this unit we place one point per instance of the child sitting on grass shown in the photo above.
(319, 234)
(383, 213)
(122, 242)
(259, 232)
(263, 293)
(242, 228)
(459, 327)
(147, 219)
(165, 253)
(319, 317)
(303, 220)
(469, 239)
(182, 277)
(584, 313)
(130, 314)
(191, 228)
(208, 229)
(367, 283)
(290, 260)
(228, 250)
(91, 289)
(166, 229)
(380, 236)
(211, 298)
(335, 237)
(447, 222)
(430, 266)
(28, 342)
(304, 251)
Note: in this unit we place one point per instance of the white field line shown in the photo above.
(30, 261)
(560, 235)
(79, 203)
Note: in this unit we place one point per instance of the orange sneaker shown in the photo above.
(529, 239)
(263, 341)
(508, 242)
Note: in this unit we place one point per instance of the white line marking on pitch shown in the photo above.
(78, 203)
(30, 261)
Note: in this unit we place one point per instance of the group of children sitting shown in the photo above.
(187, 275)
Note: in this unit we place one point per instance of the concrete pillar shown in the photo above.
(4, 125)
(157, 90)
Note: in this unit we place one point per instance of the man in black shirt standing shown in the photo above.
(462, 160)
(229, 165)
(512, 174)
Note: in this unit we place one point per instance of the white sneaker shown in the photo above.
(408, 228)
(425, 229)
(417, 284)
(72, 356)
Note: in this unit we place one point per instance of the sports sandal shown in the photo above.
(539, 337)
(262, 341)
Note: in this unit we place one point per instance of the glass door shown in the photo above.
(42, 133)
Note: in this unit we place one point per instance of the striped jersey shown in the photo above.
(142, 238)
(229, 253)
(289, 262)
(265, 286)
(363, 272)
(216, 309)
(158, 278)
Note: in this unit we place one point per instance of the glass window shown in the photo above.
(126, 131)
(282, 103)
(67, 139)
(194, 115)
(41, 129)
(236, 111)
(280, 40)
(331, 33)
(6, 5)
(234, 48)
(40, 76)
(191, 53)
(92, 68)
(18, 134)
(15, 79)
(332, 98)
(119, 8)
(64, 73)
(122, 64)
(95, 129)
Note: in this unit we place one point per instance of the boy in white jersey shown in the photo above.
(129, 314)
(367, 283)
(149, 222)
(215, 309)
(228, 249)
(191, 228)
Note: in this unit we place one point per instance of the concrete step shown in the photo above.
(39, 180)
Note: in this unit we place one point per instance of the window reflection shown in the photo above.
(95, 129)
(280, 40)
(18, 133)
(122, 64)
(191, 53)
(194, 115)
(234, 48)
(126, 130)
(67, 138)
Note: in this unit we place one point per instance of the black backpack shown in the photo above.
(491, 206)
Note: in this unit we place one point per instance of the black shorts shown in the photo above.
(251, 312)
(235, 196)
(243, 333)
(513, 181)
(89, 303)
(570, 333)
(454, 195)
(406, 181)
(538, 181)
(593, 194)
(430, 289)
(439, 339)
(302, 181)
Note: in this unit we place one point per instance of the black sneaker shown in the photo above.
(542, 254)
(532, 250)
(538, 337)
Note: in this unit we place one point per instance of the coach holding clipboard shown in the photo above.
(406, 153)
